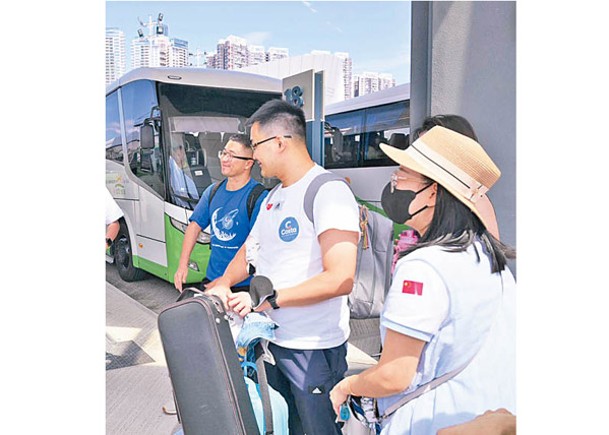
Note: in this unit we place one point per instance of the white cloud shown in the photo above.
(310, 7)
(257, 38)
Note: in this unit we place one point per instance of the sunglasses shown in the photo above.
(229, 156)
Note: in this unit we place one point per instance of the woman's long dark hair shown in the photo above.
(455, 227)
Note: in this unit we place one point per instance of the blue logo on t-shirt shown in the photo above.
(288, 230)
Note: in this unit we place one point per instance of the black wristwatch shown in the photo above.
(273, 300)
(109, 242)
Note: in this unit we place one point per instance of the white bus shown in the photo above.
(353, 130)
(149, 113)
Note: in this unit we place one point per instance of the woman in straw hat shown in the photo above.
(448, 325)
(461, 125)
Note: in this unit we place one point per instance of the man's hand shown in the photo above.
(180, 277)
(339, 394)
(240, 303)
(222, 291)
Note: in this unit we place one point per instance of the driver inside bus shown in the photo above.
(182, 185)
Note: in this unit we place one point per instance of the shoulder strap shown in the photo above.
(424, 389)
(439, 380)
(271, 192)
(214, 190)
(311, 192)
(253, 198)
(265, 396)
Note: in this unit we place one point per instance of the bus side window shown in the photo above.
(398, 140)
(139, 99)
(114, 143)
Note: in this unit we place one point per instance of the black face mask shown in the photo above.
(396, 204)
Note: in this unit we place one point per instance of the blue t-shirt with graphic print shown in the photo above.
(229, 224)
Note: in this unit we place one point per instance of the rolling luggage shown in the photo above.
(207, 379)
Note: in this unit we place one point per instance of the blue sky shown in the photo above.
(376, 34)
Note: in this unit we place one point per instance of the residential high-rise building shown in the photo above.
(276, 53)
(369, 82)
(116, 61)
(156, 48)
(347, 73)
(211, 60)
(386, 81)
(199, 58)
(255, 54)
(179, 53)
(231, 53)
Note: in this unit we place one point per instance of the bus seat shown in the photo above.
(191, 143)
(211, 142)
(225, 137)
(398, 140)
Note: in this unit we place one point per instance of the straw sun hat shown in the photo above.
(454, 161)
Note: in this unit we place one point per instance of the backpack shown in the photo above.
(374, 254)
(251, 198)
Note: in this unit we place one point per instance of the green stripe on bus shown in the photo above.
(150, 267)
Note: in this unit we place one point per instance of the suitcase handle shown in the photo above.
(189, 292)
(195, 292)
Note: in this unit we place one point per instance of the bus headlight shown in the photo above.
(203, 237)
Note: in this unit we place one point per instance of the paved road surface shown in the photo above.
(152, 292)
(155, 294)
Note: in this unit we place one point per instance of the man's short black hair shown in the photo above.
(243, 139)
(280, 113)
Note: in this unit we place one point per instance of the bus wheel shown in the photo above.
(123, 257)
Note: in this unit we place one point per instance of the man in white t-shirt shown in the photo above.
(311, 266)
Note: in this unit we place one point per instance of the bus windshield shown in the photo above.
(198, 121)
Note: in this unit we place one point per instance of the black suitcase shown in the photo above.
(207, 379)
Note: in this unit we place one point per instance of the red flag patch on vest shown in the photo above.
(412, 288)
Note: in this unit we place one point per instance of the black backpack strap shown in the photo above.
(214, 190)
(253, 198)
(311, 192)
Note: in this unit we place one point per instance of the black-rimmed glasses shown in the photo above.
(229, 156)
(253, 145)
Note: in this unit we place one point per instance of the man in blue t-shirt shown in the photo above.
(227, 213)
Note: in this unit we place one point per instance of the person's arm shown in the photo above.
(339, 251)
(113, 214)
(393, 373)
(190, 239)
(112, 230)
(497, 422)
(411, 320)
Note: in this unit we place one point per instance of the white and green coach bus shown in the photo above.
(151, 112)
(353, 130)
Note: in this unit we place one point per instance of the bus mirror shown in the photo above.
(147, 136)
